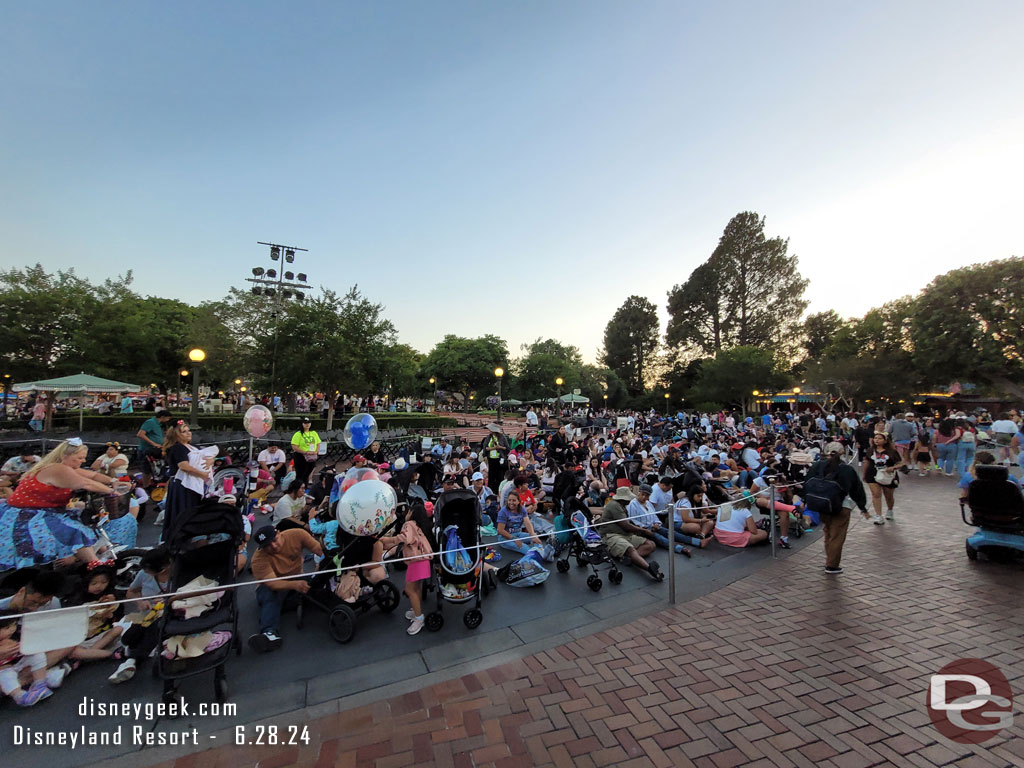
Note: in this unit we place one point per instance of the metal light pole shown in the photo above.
(7, 385)
(183, 373)
(278, 287)
(499, 372)
(558, 399)
(433, 393)
(196, 356)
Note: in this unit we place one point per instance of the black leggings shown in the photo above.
(303, 468)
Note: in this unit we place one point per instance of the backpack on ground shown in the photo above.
(525, 572)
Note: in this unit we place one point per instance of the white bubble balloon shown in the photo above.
(258, 420)
(367, 508)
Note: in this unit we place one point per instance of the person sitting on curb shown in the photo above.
(642, 514)
(735, 527)
(279, 555)
(625, 540)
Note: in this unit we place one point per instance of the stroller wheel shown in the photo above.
(581, 563)
(972, 553)
(220, 689)
(342, 623)
(615, 576)
(386, 595)
(594, 582)
(472, 618)
(434, 621)
(563, 566)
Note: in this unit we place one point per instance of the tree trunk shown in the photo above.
(330, 415)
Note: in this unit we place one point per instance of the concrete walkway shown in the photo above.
(787, 666)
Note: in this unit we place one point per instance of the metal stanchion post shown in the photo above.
(772, 514)
(671, 562)
(250, 450)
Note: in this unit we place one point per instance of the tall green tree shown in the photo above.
(631, 341)
(969, 324)
(465, 365)
(820, 331)
(42, 314)
(731, 376)
(332, 344)
(402, 363)
(543, 362)
(748, 293)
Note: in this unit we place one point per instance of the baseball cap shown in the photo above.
(358, 458)
(306, 420)
(834, 447)
(478, 476)
(400, 463)
(645, 488)
(265, 535)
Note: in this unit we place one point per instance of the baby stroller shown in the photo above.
(997, 509)
(459, 565)
(202, 543)
(586, 546)
(341, 615)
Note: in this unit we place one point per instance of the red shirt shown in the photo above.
(526, 496)
(33, 494)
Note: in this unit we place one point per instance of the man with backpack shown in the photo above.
(832, 489)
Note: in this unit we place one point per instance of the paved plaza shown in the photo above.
(785, 666)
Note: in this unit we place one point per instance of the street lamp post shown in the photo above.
(499, 372)
(433, 387)
(182, 374)
(196, 356)
(279, 287)
(796, 400)
(666, 403)
(558, 399)
(7, 384)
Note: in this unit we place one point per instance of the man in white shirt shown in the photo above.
(531, 418)
(641, 514)
(1003, 431)
(274, 461)
(661, 494)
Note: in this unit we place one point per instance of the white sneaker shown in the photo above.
(923, 473)
(410, 615)
(55, 676)
(877, 520)
(123, 673)
(415, 626)
(890, 515)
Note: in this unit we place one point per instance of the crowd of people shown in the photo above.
(676, 483)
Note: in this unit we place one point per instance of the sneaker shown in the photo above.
(877, 520)
(830, 569)
(655, 570)
(124, 672)
(265, 641)
(890, 515)
(784, 542)
(415, 626)
(922, 474)
(410, 615)
(36, 693)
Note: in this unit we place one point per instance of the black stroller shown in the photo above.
(581, 541)
(341, 615)
(426, 474)
(459, 570)
(204, 542)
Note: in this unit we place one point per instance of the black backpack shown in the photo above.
(823, 494)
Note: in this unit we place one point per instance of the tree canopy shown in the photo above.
(748, 293)
(631, 341)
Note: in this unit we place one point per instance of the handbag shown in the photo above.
(885, 477)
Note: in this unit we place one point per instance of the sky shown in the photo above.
(516, 168)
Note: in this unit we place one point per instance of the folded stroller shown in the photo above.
(586, 546)
(203, 544)
(459, 566)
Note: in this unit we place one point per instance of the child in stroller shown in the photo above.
(350, 581)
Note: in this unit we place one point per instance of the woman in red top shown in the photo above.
(35, 526)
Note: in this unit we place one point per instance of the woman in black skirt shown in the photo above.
(185, 490)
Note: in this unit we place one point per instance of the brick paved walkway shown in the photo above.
(786, 667)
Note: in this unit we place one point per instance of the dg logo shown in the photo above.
(970, 701)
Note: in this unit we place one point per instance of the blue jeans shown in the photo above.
(521, 543)
(947, 456)
(662, 540)
(964, 456)
(271, 602)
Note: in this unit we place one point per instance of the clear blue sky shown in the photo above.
(516, 168)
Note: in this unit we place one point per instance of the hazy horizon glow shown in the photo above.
(516, 169)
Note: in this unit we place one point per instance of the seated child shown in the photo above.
(12, 663)
(143, 636)
(102, 634)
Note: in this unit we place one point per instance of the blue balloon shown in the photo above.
(360, 431)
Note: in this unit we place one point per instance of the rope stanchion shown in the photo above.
(170, 596)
